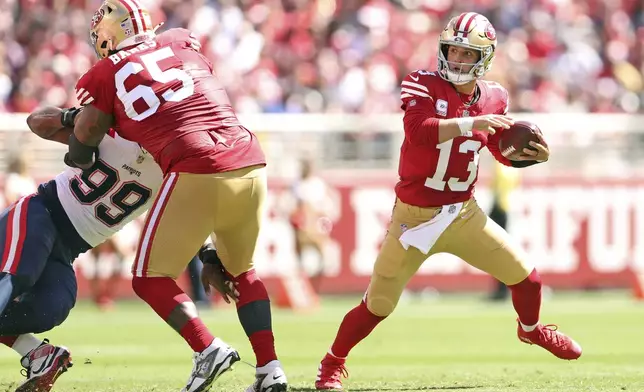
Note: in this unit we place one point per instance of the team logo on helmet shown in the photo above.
(490, 33)
(97, 18)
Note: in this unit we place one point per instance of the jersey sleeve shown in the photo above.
(503, 108)
(96, 87)
(414, 87)
(185, 39)
(182, 36)
(505, 102)
(420, 122)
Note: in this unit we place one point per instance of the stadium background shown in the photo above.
(319, 79)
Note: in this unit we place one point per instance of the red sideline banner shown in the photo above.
(579, 235)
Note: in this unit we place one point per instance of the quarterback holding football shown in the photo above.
(449, 116)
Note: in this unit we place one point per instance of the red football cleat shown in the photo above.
(330, 372)
(547, 336)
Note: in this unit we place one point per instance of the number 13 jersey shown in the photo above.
(164, 96)
(120, 187)
(433, 174)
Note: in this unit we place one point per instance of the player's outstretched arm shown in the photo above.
(52, 123)
(90, 127)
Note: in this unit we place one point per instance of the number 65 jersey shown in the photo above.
(433, 174)
(164, 96)
(120, 187)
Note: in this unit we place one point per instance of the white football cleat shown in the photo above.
(43, 366)
(269, 378)
(209, 364)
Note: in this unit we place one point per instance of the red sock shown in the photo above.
(357, 325)
(254, 311)
(263, 344)
(164, 295)
(8, 340)
(526, 298)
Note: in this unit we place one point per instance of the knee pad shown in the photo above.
(382, 295)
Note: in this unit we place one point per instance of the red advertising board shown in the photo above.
(579, 235)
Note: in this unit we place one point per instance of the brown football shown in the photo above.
(514, 139)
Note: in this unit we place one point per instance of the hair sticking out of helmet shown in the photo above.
(118, 24)
(472, 32)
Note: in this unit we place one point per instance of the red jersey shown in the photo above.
(164, 96)
(433, 174)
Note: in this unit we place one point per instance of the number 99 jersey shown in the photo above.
(164, 96)
(120, 187)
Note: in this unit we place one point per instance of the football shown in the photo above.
(514, 139)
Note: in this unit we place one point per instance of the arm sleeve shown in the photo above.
(493, 140)
(97, 87)
(420, 122)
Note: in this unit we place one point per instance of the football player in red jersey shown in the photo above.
(450, 115)
(160, 91)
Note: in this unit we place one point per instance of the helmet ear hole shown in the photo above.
(104, 45)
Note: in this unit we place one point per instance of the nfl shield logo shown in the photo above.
(403, 227)
(452, 209)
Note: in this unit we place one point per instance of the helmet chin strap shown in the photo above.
(110, 48)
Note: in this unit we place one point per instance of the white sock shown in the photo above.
(269, 366)
(26, 343)
(528, 328)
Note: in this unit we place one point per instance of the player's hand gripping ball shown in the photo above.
(523, 141)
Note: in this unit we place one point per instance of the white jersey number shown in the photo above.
(151, 64)
(94, 185)
(438, 182)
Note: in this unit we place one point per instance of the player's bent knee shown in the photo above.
(21, 284)
(517, 276)
(59, 317)
(531, 282)
(53, 316)
(140, 286)
(380, 306)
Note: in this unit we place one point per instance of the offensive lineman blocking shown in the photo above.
(160, 91)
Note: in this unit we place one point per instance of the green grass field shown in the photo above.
(456, 343)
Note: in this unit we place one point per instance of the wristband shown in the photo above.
(465, 124)
(67, 117)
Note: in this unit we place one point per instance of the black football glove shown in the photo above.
(68, 115)
(208, 255)
(214, 274)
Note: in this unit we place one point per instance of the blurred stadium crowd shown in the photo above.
(346, 55)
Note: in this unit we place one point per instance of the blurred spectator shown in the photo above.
(346, 55)
(310, 221)
(107, 259)
(17, 182)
